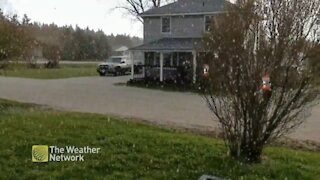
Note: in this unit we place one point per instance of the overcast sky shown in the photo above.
(96, 14)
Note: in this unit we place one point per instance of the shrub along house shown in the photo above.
(172, 39)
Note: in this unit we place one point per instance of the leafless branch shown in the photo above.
(254, 38)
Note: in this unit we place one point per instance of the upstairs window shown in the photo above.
(165, 24)
(208, 22)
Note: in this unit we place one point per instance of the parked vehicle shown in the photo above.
(116, 65)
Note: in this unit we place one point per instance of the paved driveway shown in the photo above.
(100, 95)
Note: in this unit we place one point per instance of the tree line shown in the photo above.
(26, 40)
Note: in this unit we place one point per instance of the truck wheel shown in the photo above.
(117, 71)
(102, 72)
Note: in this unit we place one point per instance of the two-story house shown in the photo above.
(172, 36)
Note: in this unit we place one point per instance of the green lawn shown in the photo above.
(317, 81)
(65, 71)
(129, 150)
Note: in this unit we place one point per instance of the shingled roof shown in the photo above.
(188, 7)
(171, 44)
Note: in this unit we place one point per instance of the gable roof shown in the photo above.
(188, 7)
(121, 49)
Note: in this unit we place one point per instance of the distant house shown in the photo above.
(137, 56)
(37, 52)
(121, 51)
(172, 34)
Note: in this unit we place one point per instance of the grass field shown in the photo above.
(129, 150)
(65, 71)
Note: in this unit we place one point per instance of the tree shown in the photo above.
(2, 17)
(27, 41)
(252, 40)
(26, 20)
(15, 42)
(102, 49)
(136, 7)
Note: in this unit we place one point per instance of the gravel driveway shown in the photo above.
(100, 95)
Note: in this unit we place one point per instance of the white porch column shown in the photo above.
(194, 54)
(144, 65)
(161, 67)
(178, 59)
(132, 64)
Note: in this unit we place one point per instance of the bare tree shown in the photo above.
(252, 41)
(136, 7)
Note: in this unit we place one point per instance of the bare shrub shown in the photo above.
(255, 38)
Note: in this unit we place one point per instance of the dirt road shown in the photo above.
(100, 95)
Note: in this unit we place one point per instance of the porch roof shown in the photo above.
(170, 44)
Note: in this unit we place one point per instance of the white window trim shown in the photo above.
(170, 19)
(204, 20)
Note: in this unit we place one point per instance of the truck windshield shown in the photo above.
(114, 60)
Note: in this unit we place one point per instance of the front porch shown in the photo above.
(167, 60)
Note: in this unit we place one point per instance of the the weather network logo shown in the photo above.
(40, 153)
(44, 153)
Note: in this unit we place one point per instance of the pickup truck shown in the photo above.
(116, 65)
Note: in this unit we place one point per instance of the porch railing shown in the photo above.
(172, 74)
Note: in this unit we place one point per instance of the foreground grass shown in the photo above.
(65, 71)
(129, 150)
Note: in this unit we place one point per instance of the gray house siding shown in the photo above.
(181, 27)
(152, 29)
(173, 56)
